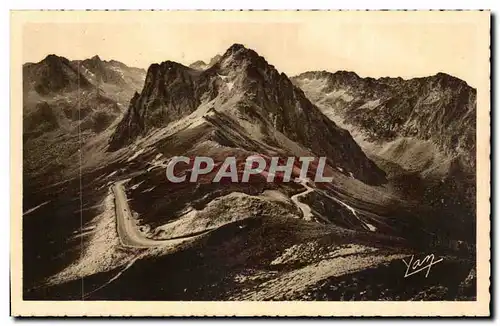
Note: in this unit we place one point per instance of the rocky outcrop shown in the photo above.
(171, 91)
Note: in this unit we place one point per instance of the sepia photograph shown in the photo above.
(277, 159)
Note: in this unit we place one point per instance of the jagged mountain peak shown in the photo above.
(199, 65)
(214, 60)
(51, 75)
(166, 65)
(169, 63)
(239, 51)
(118, 63)
(54, 58)
(237, 55)
(167, 70)
(236, 47)
(346, 74)
(202, 65)
(53, 61)
(112, 74)
(245, 87)
(96, 58)
(94, 61)
(447, 80)
(236, 58)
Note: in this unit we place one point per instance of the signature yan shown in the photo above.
(419, 265)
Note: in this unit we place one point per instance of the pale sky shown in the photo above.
(374, 45)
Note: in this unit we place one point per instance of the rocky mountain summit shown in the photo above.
(51, 75)
(245, 87)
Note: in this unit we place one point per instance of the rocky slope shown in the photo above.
(51, 75)
(422, 131)
(245, 88)
(438, 112)
(115, 78)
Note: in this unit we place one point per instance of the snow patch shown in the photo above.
(223, 77)
(157, 163)
(371, 227)
(353, 211)
(36, 207)
(370, 105)
(136, 185)
(136, 154)
(229, 84)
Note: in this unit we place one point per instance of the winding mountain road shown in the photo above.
(128, 232)
(306, 209)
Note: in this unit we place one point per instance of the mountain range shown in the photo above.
(249, 92)
(98, 136)
(65, 103)
(438, 112)
(421, 129)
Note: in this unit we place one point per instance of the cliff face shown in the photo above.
(171, 91)
(248, 89)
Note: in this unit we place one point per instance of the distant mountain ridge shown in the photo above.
(67, 102)
(421, 131)
(440, 108)
(53, 74)
(201, 65)
(115, 78)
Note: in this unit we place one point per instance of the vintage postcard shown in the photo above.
(250, 163)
